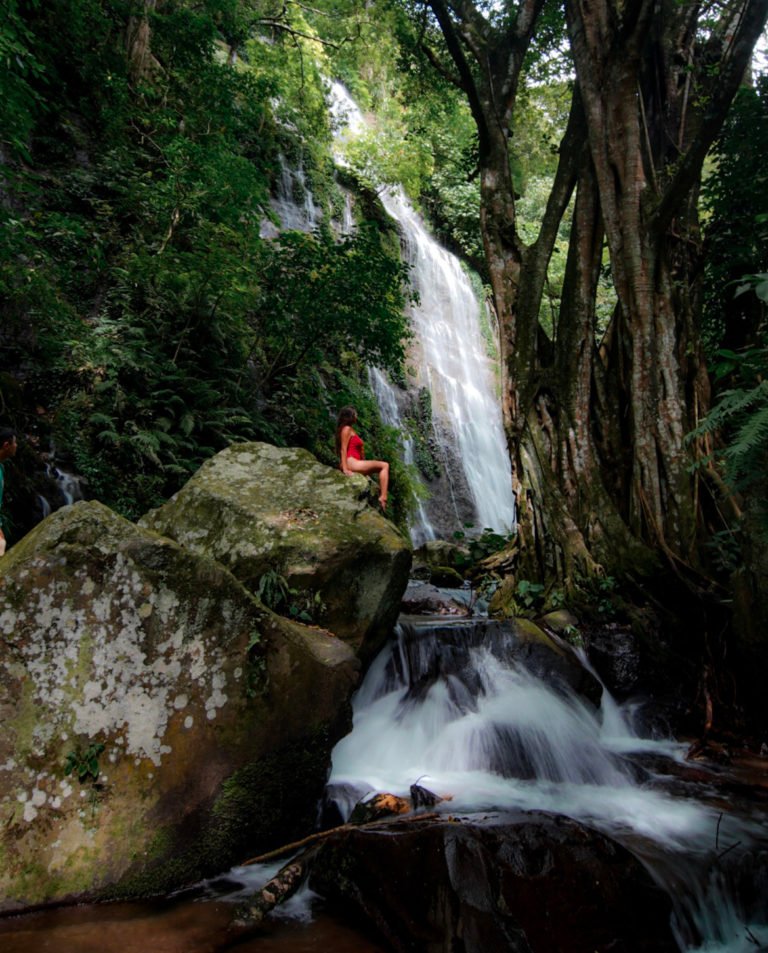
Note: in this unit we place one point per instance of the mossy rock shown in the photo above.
(447, 577)
(139, 684)
(440, 552)
(257, 508)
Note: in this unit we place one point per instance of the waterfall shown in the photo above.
(452, 708)
(451, 366)
(292, 204)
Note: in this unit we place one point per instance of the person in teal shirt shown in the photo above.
(7, 449)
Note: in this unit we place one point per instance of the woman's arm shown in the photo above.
(346, 433)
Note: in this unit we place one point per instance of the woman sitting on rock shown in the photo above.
(349, 447)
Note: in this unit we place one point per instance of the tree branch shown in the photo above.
(278, 24)
(466, 77)
(724, 85)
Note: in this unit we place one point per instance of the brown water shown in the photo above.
(182, 927)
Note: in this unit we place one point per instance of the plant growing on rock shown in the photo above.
(84, 764)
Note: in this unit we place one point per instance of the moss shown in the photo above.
(277, 796)
(156, 871)
(419, 422)
(263, 805)
(24, 723)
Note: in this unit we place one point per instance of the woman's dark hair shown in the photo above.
(347, 416)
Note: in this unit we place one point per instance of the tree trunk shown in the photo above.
(597, 437)
(141, 62)
(646, 119)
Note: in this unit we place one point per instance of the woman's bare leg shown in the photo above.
(368, 467)
(383, 484)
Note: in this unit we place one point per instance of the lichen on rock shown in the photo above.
(258, 508)
(128, 705)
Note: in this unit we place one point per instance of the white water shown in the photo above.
(493, 736)
(292, 204)
(450, 359)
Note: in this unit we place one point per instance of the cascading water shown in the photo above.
(452, 707)
(292, 204)
(451, 363)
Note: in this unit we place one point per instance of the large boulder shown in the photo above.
(521, 883)
(258, 509)
(158, 722)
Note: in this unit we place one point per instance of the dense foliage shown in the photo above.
(146, 320)
(735, 199)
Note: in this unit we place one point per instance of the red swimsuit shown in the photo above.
(355, 447)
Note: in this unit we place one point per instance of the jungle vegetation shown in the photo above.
(601, 166)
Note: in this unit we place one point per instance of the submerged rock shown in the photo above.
(258, 509)
(520, 883)
(159, 723)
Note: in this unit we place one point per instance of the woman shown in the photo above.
(349, 447)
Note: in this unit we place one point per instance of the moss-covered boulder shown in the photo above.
(261, 509)
(159, 724)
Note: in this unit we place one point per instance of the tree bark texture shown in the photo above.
(652, 111)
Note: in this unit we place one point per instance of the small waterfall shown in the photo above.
(452, 366)
(60, 489)
(421, 528)
(67, 484)
(452, 707)
(293, 203)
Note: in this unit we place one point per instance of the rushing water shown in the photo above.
(450, 360)
(459, 715)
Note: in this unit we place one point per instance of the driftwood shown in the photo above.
(280, 888)
(382, 810)
(382, 806)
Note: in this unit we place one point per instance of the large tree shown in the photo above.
(597, 429)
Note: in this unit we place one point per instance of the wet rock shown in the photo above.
(512, 883)
(440, 650)
(614, 651)
(554, 660)
(559, 621)
(158, 721)
(421, 598)
(257, 508)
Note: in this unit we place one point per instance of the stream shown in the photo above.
(448, 704)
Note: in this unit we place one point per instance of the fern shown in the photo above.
(730, 406)
(746, 456)
(740, 416)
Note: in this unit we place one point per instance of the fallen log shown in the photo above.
(280, 888)
(292, 875)
(381, 806)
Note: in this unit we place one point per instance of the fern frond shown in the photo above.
(745, 456)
